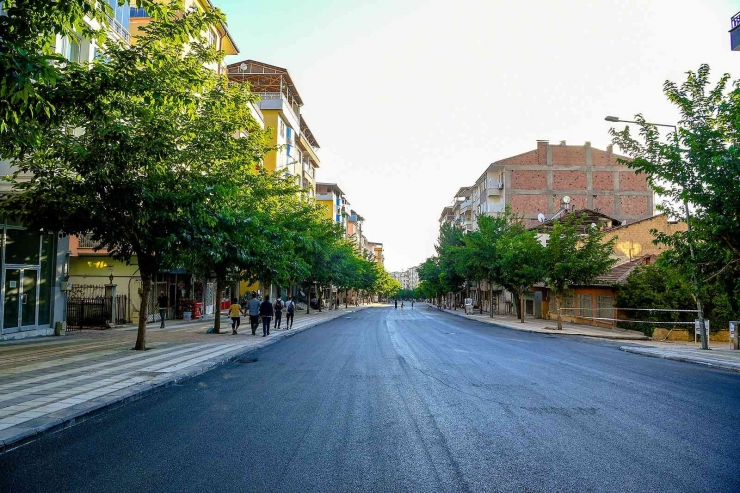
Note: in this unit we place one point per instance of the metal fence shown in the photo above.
(88, 313)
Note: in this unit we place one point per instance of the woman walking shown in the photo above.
(235, 311)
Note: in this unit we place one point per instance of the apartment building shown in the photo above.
(377, 252)
(409, 278)
(552, 179)
(295, 143)
(217, 36)
(333, 199)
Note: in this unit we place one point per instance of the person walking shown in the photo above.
(254, 313)
(290, 309)
(278, 312)
(412, 304)
(162, 303)
(235, 311)
(401, 304)
(396, 308)
(266, 312)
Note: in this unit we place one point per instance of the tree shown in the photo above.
(448, 249)
(575, 254)
(31, 72)
(697, 168)
(125, 164)
(429, 282)
(520, 259)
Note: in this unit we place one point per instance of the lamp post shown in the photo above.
(695, 283)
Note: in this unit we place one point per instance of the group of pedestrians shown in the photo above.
(265, 310)
(402, 304)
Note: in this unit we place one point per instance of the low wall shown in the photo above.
(683, 334)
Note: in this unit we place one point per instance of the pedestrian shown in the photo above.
(278, 312)
(162, 303)
(235, 311)
(290, 314)
(254, 313)
(401, 304)
(412, 304)
(266, 312)
(396, 307)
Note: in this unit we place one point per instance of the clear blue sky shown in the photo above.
(411, 99)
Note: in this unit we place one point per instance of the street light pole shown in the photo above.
(694, 281)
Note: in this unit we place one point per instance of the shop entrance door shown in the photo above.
(20, 307)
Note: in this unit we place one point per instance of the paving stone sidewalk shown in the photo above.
(50, 383)
(549, 326)
(719, 356)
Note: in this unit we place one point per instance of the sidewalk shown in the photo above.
(542, 326)
(719, 356)
(50, 383)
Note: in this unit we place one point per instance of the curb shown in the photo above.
(107, 403)
(685, 359)
(554, 332)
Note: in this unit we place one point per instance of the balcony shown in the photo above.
(735, 32)
(86, 241)
(496, 207)
(465, 206)
(277, 101)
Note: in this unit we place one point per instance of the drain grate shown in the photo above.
(246, 361)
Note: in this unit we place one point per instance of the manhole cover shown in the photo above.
(451, 333)
(246, 361)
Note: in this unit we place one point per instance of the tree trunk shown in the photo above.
(517, 304)
(308, 302)
(146, 287)
(318, 299)
(490, 290)
(521, 312)
(346, 297)
(558, 300)
(480, 300)
(217, 308)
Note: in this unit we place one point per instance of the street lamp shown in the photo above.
(699, 309)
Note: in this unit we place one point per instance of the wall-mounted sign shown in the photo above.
(12, 284)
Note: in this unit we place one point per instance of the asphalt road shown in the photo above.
(391, 400)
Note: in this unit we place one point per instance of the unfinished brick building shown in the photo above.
(536, 182)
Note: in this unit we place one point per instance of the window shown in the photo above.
(605, 307)
(585, 305)
(71, 49)
(281, 126)
(212, 38)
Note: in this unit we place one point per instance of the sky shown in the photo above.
(412, 99)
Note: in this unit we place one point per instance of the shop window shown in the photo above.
(21, 247)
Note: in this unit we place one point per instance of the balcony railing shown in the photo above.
(735, 20)
(279, 95)
(137, 12)
(86, 241)
(118, 28)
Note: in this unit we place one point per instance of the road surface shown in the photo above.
(392, 400)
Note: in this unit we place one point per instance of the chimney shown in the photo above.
(588, 144)
(542, 146)
(562, 142)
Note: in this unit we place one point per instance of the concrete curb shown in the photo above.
(554, 332)
(676, 357)
(23, 435)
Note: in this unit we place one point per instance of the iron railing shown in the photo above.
(86, 241)
(735, 20)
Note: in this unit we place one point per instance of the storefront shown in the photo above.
(30, 266)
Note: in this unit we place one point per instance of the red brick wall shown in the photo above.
(603, 158)
(568, 155)
(579, 201)
(633, 205)
(528, 158)
(528, 179)
(568, 180)
(529, 204)
(603, 180)
(605, 204)
(628, 180)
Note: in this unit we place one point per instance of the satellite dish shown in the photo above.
(593, 225)
(243, 67)
(541, 217)
(566, 200)
(624, 223)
